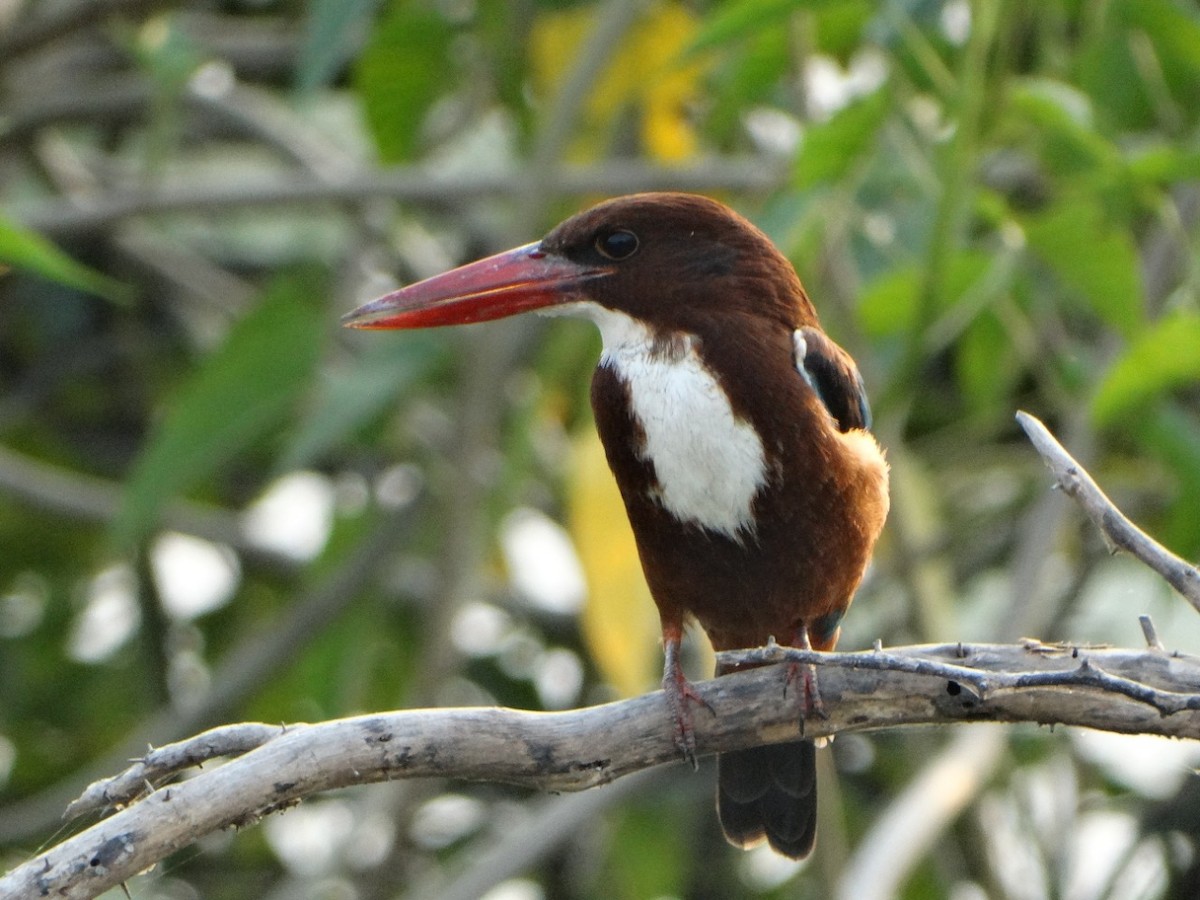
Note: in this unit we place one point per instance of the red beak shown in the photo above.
(502, 285)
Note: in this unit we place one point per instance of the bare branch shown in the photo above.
(1115, 690)
(1150, 633)
(410, 184)
(980, 681)
(160, 763)
(1119, 533)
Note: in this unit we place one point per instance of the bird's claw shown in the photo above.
(806, 673)
(680, 694)
(811, 703)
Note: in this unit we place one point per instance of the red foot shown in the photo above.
(806, 674)
(810, 695)
(680, 694)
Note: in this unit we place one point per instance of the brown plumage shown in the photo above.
(736, 432)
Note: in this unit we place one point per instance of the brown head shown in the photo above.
(667, 259)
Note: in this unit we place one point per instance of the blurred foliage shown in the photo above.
(994, 206)
(242, 389)
(644, 78)
(28, 250)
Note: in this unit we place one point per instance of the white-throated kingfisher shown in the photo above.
(737, 433)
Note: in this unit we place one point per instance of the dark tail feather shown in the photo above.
(770, 792)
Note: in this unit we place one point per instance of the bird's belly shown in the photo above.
(709, 463)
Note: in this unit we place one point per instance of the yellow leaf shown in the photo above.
(620, 621)
(668, 136)
(668, 89)
(554, 43)
(644, 76)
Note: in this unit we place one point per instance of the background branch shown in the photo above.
(415, 185)
(239, 674)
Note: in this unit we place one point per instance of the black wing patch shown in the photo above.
(831, 373)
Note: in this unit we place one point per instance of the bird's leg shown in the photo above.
(679, 692)
(806, 675)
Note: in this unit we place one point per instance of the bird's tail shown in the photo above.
(770, 792)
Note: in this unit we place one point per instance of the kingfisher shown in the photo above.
(738, 434)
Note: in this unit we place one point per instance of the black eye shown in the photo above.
(617, 244)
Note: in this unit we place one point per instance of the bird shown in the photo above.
(738, 435)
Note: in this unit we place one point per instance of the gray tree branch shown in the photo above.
(1142, 692)
(1118, 532)
(415, 185)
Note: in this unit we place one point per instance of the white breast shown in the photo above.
(708, 460)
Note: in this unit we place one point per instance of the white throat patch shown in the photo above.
(709, 461)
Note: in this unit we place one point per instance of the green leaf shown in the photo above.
(1063, 119)
(350, 399)
(400, 73)
(1091, 257)
(331, 31)
(1165, 163)
(241, 392)
(1173, 30)
(830, 149)
(744, 80)
(729, 22)
(888, 305)
(25, 249)
(839, 27)
(734, 21)
(647, 859)
(985, 364)
(1171, 433)
(1163, 357)
(1108, 71)
(1141, 68)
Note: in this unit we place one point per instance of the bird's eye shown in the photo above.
(617, 244)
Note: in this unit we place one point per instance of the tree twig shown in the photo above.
(1116, 690)
(912, 823)
(1119, 533)
(983, 682)
(1150, 633)
(161, 763)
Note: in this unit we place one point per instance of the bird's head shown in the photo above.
(663, 258)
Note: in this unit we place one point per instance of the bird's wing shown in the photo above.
(831, 373)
